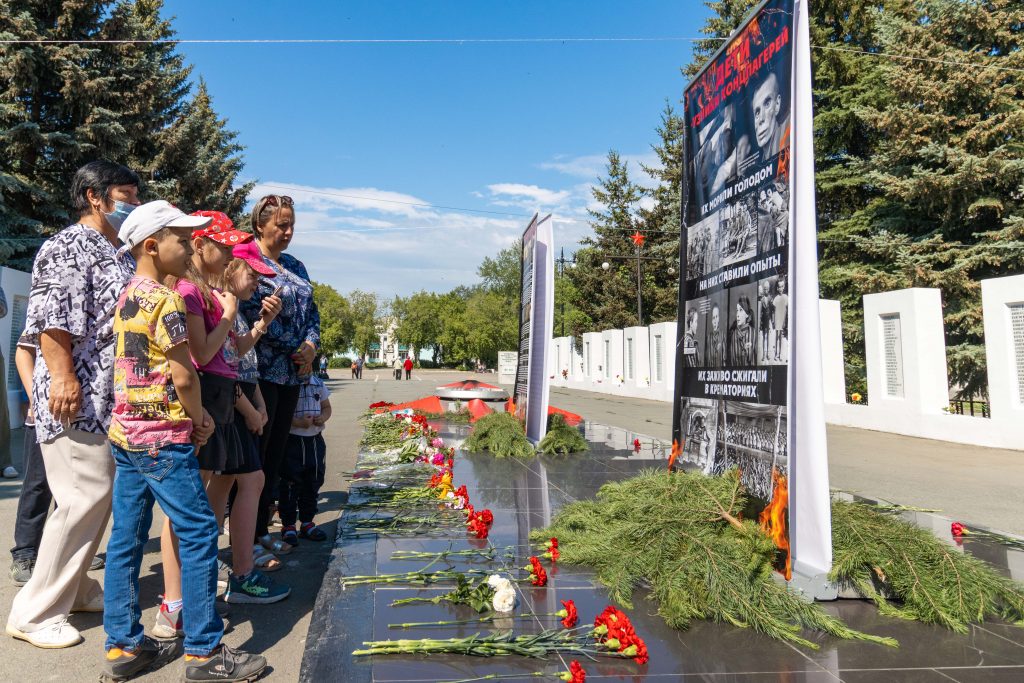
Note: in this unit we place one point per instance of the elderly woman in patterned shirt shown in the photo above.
(76, 281)
(286, 352)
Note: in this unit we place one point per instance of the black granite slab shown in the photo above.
(524, 495)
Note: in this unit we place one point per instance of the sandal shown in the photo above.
(264, 561)
(312, 532)
(289, 536)
(275, 546)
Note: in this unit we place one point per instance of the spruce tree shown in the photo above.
(661, 281)
(606, 299)
(199, 161)
(64, 104)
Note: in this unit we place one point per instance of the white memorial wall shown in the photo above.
(908, 391)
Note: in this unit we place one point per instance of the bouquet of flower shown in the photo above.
(493, 593)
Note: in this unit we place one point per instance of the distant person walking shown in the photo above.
(408, 367)
(359, 367)
(323, 367)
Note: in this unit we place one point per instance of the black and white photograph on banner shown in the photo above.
(738, 230)
(772, 321)
(742, 346)
(715, 160)
(772, 216)
(701, 427)
(705, 255)
(752, 438)
(768, 123)
(715, 326)
(696, 314)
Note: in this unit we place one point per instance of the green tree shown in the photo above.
(491, 326)
(606, 299)
(199, 161)
(418, 321)
(502, 274)
(337, 328)
(63, 104)
(366, 320)
(454, 333)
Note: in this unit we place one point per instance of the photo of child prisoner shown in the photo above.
(772, 216)
(695, 329)
(772, 321)
(742, 341)
(715, 338)
(700, 426)
(752, 437)
(738, 229)
(703, 253)
(768, 124)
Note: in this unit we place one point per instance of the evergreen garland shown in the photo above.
(501, 434)
(909, 573)
(679, 534)
(561, 439)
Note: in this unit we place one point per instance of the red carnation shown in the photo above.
(958, 530)
(552, 554)
(636, 445)
(486, 517)
(540, 577)
(571, 617)
(575, 674)
(553, 543)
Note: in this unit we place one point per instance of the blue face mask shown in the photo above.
(121, 211)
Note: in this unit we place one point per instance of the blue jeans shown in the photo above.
(169, 476)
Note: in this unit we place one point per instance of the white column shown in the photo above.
(592, 349)
(1002, 300)
(905, 349)
(833, 369)
(611, 357)
(641, 350)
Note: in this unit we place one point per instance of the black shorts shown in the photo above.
(248, 442)
(224, 450)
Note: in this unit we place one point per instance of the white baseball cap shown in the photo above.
(148, 219)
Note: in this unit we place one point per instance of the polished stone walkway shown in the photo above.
(523, 496)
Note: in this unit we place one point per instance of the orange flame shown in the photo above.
(510, 406)
(774, 518)
(676, 450)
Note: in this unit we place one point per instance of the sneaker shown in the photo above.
(21, 570)
(97, 563)
(52, 637)
(168, 623)
(120, 665)
(224, 665)
(256, 588)
(289, 536)
(10, 473)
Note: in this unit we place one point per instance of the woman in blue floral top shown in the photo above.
(286, 352)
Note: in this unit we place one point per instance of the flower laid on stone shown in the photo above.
(568, 614)
(538, 577)
(479, 523)
(855, 397)
(494, 593)
(612, 636)
(958, 529)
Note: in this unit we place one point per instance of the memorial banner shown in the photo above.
(736, 350)
(536, 316)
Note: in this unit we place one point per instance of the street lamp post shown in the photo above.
(561, 262)
(638, 240)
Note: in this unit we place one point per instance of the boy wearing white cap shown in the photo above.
(158, 422)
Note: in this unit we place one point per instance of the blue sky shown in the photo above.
(509, 128)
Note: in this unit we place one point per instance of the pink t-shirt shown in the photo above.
(194, 305)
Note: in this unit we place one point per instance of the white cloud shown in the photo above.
(538, 195)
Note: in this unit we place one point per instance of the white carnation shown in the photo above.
(504, 598)
(495, 581)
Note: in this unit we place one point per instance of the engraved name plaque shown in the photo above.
(892, 347)
(1017, 330)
